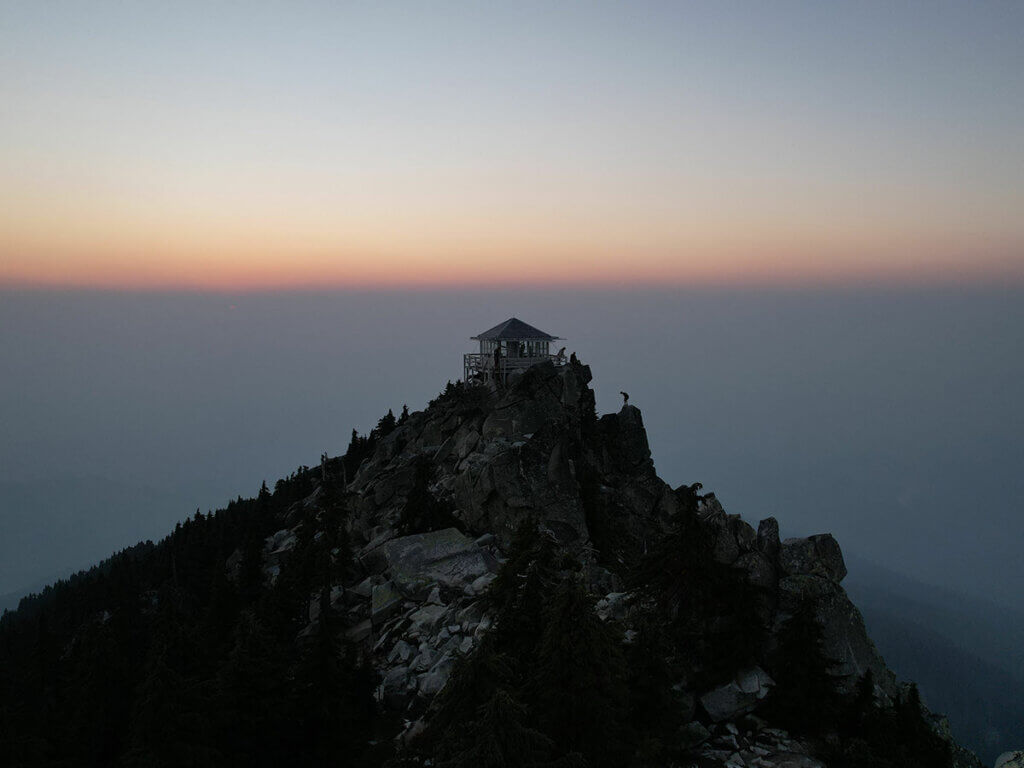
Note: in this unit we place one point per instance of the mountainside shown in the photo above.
(501, 579)
(965, 654)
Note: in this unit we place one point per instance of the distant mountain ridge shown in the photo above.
(967, 656)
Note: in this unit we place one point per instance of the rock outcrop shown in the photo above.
(490, 459)
(739, 696)
(1010, 760)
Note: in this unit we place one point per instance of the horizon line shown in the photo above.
(965, 278)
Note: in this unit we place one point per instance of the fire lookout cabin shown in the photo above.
(509, 347)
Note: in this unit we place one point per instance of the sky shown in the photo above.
(249, 146)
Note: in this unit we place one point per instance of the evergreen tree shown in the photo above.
(169, 717)
(521, 590)
(332, 699)
(805, 698)
(250, 572)
(577, 688)
(473, 681)
(712, 611)
(251, 688)
(385, 426)
(862, 708)
(499, 738)
(655, 708)
(422, 511)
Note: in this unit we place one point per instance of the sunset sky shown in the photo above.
(244, 145)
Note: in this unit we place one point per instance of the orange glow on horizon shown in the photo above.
(251, 244)
(561, 264)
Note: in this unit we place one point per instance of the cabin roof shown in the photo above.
(513, 329)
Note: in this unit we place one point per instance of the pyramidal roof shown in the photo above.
(513, 329)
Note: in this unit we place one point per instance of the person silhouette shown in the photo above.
(625, 398)
(497, 364)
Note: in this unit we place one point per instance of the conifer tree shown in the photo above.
(655, 708)
(712, 610)
(521, 589)
(499, 738)
(385, 426)
(251, 688)
(805, 698)
(331, 701)
(577, 686)
(473, 681)
(169, 719)
(422, 511)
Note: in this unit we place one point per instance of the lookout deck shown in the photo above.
(507, 348)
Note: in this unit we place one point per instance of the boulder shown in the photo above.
(612, 605)
(385, 602)
(739, 696)
(745, 535)
(795, 760)
(395, 688)
(480, 584)
(360, 631)
(466, 443)
(817, 555)
(693, 734)
(759, 569)
(280, 542)
(768, 542)
(426, 619)
(446, 557)
(365, 587)
(1013, 759)
(434, 680)
(423, 661)
(726, 548)
(401, 651)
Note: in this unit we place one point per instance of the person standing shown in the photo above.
(497, 364)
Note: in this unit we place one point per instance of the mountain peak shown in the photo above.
(501, 568)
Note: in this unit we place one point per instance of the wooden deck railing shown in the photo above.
(480, 366)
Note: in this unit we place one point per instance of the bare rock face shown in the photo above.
(845, 636)
(447, 558)
(768, 538)
(818, 555)
(738, 696)
(759, 569)
(1010, 760)
(384, 602)
(749, 742)
(625, 438)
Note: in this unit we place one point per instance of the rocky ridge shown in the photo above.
(484, 460)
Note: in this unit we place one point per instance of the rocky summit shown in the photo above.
(499, 579)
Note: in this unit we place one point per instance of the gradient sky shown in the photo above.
(246, 145)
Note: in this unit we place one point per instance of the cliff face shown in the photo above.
(534, 449)
(477, 464)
